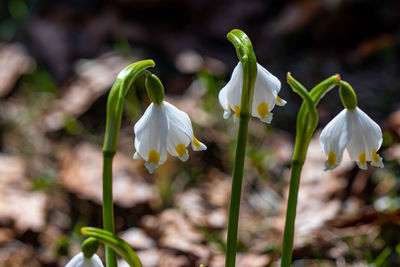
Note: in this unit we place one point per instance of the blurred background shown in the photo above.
(58, 59)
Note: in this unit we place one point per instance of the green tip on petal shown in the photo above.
(348, 96)
(155, 89)
(90, 247)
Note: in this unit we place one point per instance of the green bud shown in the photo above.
(348, 96)
(89, 247)
(155, 89)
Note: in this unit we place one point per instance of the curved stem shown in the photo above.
(245, 53)
(115, 103)
(114, 242)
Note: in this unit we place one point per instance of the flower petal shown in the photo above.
(265, 97)
(80, 261)
(180, 132)
(197, 145)
(280, 102)
(178, 119)
(151, 136)
(334, 138)
(366, 139)
(230, 95)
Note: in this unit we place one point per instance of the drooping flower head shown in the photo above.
(164, 128)
(354, 130)
(266, 90)
(79, 260)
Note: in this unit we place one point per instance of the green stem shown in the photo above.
(108, 209)
(245, 53)
(291, 214)
(237, 179)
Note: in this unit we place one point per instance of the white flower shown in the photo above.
(355, 131)
(80, 261)
(164, 128)
(266, 90)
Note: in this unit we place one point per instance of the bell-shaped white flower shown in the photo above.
(79, 260)
(355, 131)
(164, 128)
(266, 90)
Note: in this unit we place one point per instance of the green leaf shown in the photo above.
(381, 259)
(116, 243)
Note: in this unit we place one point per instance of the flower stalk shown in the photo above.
(115, 105)
(245, 53)
(307, 121)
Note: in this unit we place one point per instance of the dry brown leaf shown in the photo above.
(6, 235)
(27, 209)
(175, 231)
(295, 16)
(242, 260)
(373, 45)
(138, 239)
(393, 122)
(94, 79)
(17, 254)
(393, 153)
(81, 173)
(315, 204)
(14, 62)
(168, 260)
(207, 204)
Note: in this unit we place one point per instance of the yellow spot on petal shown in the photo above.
(229, 106)
(237, 111)
(375, 156)
(153, 157)
(181, 149)
(331, 158)
(279, 99)
(362, 158)
(196, 142)
(262, 110)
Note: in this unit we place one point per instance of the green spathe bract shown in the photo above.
(155, 89)
(347, 95)
(89, 247)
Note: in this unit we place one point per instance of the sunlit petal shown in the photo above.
(280, 102)
(265, 97)
(80, 261)
(197, 145)
(180, 132)
(230, 95)
(151, 133)
(366, 139)
(163, 128)
(334, 138)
